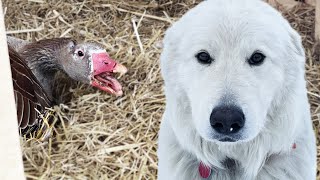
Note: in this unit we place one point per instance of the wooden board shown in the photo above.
(11, 166)
(289, 3)
(285, 3)
(311, 2)
(317, 25)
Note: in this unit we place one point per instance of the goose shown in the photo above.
(34, 66)
(86, 62)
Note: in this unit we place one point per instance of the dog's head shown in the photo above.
(232, 62)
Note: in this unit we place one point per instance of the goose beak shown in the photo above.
(103, 70)
(121, 69)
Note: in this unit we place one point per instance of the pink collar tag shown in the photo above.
(204, 170)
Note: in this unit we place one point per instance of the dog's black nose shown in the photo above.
(227, 119)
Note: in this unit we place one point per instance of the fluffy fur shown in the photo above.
(273, 96)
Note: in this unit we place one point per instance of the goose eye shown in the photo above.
(80, 53)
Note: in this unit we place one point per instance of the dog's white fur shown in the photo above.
(273, 95)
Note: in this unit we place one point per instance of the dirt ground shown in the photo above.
(104, 137)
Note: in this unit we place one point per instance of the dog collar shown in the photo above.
(205, 171)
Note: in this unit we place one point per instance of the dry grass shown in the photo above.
(108, 137)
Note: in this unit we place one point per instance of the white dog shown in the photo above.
(237, 106)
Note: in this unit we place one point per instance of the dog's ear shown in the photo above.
(296, 41)
(171, 38)
(170, 52)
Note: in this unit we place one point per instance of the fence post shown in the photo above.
(11, 166)
(317, 21)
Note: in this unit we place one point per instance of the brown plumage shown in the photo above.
(31, 99)
(34, 66)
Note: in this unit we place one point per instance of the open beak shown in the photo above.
(103, 70)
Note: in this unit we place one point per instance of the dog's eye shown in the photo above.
(256, 58)
(204, 57)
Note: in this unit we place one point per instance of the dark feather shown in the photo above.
(31, 99)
